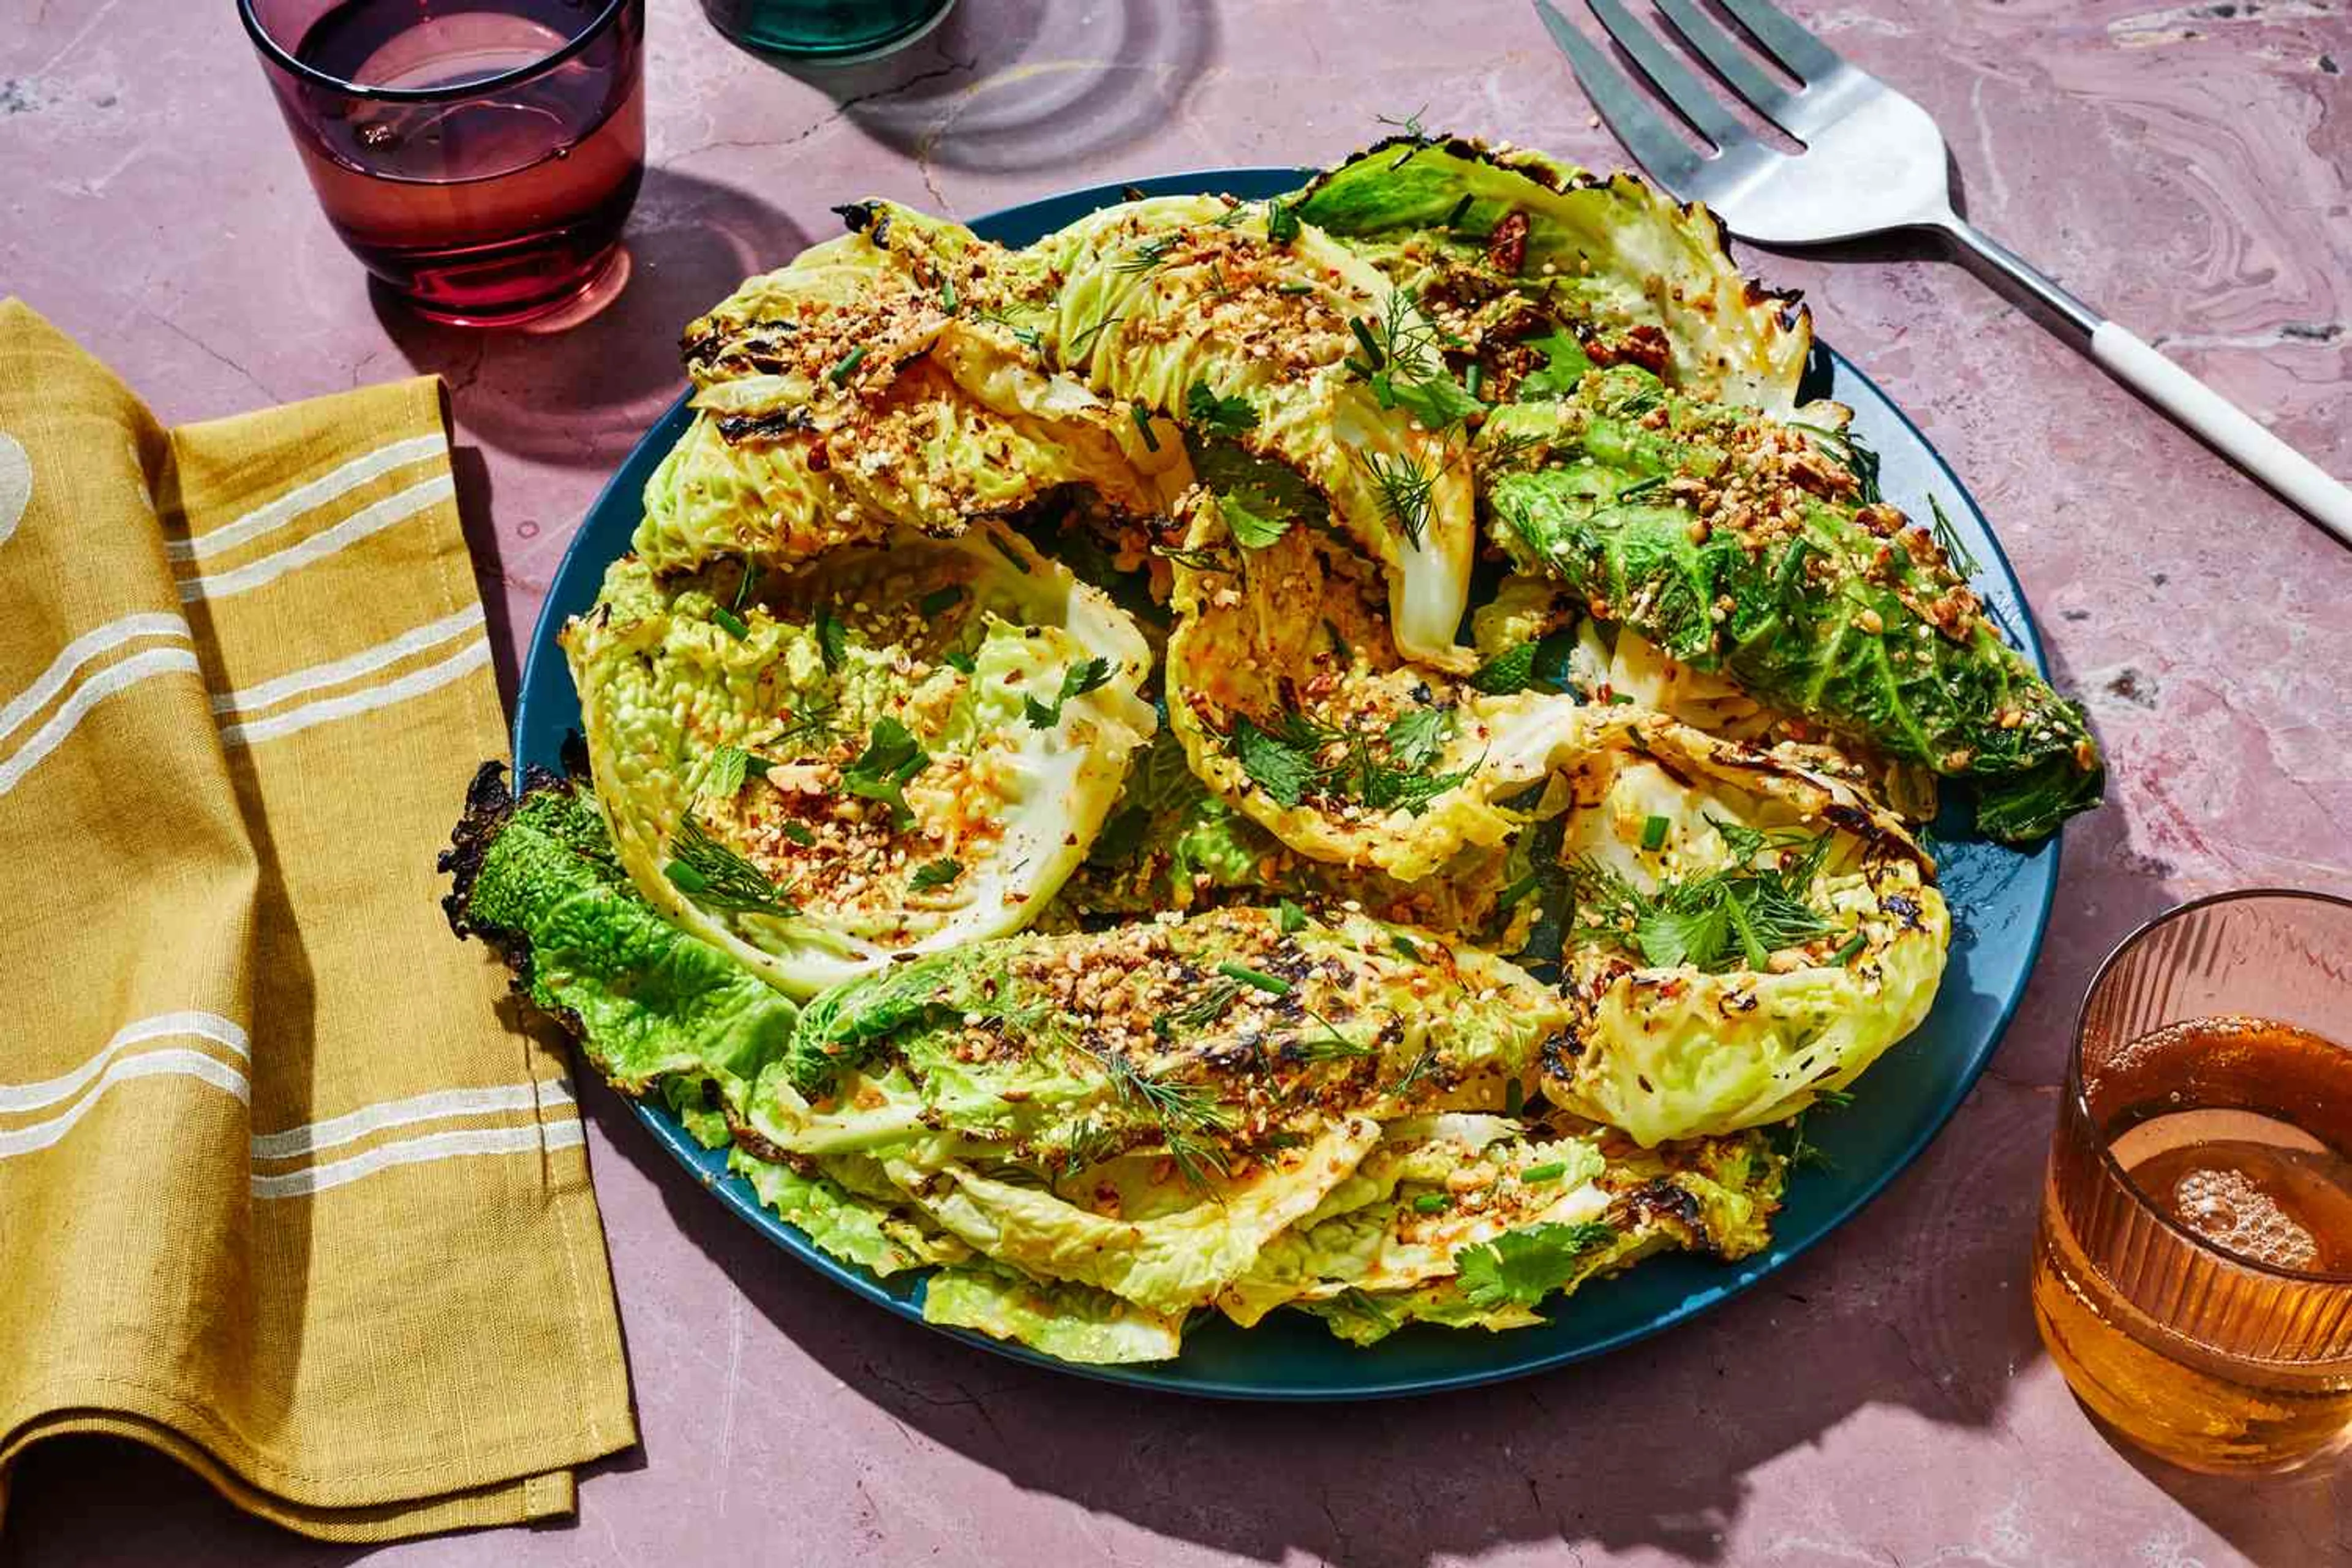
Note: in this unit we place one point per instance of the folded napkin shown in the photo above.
(278, 1194)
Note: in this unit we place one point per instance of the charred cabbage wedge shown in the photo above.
(1738, 543)
(892, 752)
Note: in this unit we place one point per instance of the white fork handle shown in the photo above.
(2229, 428)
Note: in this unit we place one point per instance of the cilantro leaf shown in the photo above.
(935, 874)
(1281, 222)
(1218, 416)
(1520, 1267)
(1292, 917)
(1252, 529)
(882, 770)
(1076, 681)
(1564, 365)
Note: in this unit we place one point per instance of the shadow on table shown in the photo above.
(582, 397)
(974, 95)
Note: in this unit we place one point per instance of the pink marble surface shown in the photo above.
(1883, 1401)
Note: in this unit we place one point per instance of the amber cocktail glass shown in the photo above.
(479, 156)
(2193, 1270)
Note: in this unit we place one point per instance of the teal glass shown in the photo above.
(825, 31)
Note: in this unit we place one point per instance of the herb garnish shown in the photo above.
(1217, 415)
(1405, 487)
(1142, 417)
(719, 879)
(937, 601)
(1403, 362)
(831, 639)
(1290, 917)
(1520, 1267)
(1005, 548)
(1251, 528)
(729, 766)
(1084, 341)
(1256, 979)
(730, 622)
(1281, 222)
(1198, 560)
(935, 874)
(1963, 560)
(881, 772)
(1076, 681)
(1181, 1111)
(1509, 672)
(1150, 254)
(1287, 764)
(840, 373)
(1711, 923)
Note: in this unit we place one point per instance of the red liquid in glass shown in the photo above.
(483, 209)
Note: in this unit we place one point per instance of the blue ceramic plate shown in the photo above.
(1999, 899)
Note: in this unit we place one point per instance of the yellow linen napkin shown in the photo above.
(279, 1195)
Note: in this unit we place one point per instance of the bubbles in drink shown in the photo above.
(2230, 1210)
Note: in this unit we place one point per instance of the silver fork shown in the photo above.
(1874, 161)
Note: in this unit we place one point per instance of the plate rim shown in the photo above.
(709, 1166)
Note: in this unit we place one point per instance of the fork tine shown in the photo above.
(1690, 97)
(1807, 58)
(1664, 156)
(1767, 97)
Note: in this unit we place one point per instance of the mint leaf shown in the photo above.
(1511, 670)
(1415, 738)
(1278, 766)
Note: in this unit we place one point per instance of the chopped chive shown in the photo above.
(938, 600)
(1549, 1171)
(1292, 917)
(947, 294)
(1515, 1097)
(1294, 288)
(1006, 549)
(1272, 985)
(684, 877)
(1432, 1203)
(1142, 417)
(1405, 948)
(1654, 833)
(1473, 378)
(1853, 945)
(849, 361)
(1510, 896)
(1363, 330)
(961, 661)
(1461, 209)
(1622, 699)
(799, 835)
(730, 622)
